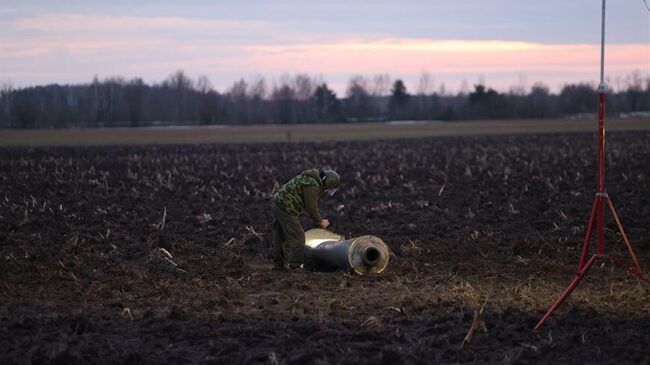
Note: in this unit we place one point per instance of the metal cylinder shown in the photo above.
(365, 254)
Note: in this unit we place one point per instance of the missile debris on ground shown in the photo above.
(326, 250)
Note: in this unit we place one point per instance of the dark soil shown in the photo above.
(493, 221)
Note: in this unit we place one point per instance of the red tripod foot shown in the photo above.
(567, 291)
(632, 270)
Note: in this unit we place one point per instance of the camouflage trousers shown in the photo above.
(288, 238)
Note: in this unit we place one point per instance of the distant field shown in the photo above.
(302, 132)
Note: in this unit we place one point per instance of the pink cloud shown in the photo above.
(75, 47)
(447, 56)
(67, 23)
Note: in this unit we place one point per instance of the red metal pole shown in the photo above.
(585, 244)
(631, 270)
(567, 291)
(601, 139)
(637, 267)
(601, 194)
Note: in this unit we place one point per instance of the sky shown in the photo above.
(502, 43)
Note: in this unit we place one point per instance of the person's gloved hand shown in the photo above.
(324, 223)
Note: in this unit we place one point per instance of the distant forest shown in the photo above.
(181, 100)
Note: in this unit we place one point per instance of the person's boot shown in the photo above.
(296, 266)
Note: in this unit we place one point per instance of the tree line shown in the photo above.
(181, 100)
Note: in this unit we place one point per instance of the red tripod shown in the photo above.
(598, 210)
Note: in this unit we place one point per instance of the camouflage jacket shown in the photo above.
(301, 192)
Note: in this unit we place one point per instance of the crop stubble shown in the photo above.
(158, 253)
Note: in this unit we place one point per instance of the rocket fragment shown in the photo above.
(365, 254)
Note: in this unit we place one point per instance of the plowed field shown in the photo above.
(472, 222)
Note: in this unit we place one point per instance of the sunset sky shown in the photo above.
(502, 42)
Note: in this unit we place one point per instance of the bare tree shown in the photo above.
(238, 89)
(258, 88)
(304, 86)
(257, 92)
(442, 89)
(95, 101)
(481, 80)
(381, 84)
(464, 88)
(284, 98)
(539, 101)
(181, 84)
(634, 93)
(520, 87)
(179, 80)
(425, 91)
(114, 89)
(239, 101)
(6, 92)
(634, 81)
(358, 102)
(203, 84)
(207, 103)
(134, 100)
(426, 83)
(356, 84)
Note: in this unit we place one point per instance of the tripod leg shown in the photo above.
(600, 227)
(585, 244)
(567, 291)
(623, 265)
(627, 242)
